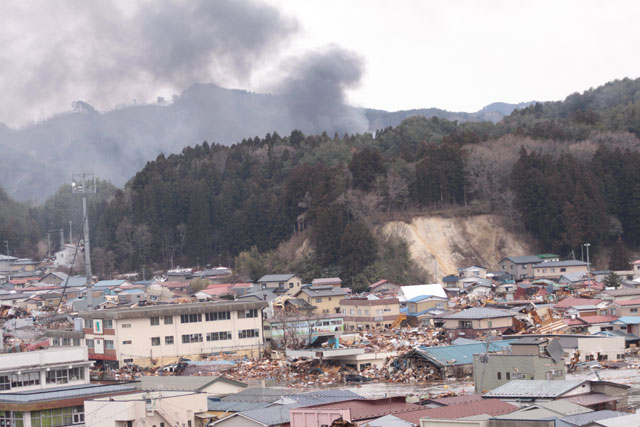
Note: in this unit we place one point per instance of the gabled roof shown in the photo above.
(381, 282)
(628, 320)
(572, 302)
(479, 313)
(109, 283)
(372, 408)
(535, 388)
(324, 291)
(590, 320)
(459, 354)
(591, 417)
(524, 259)
(625, 302)
(424, 297)
(491, 407)
(181, 383)
(276, 277)
(326, 281)
(622, 292)
(567, 263)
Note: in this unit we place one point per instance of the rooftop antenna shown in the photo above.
(84, 184)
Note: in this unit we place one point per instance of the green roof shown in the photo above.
(543, 256)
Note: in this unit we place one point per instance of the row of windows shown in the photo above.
(248, 314)
(7, 382)
(249, 333)
(11, 419)
(65, 342)
(218, 336)
(58, 417)
(190, 318)
(106, 324)
(63, 376)
(155, 321)
(108, 344)
(220, 315)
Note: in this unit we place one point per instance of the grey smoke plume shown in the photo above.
(314, 91)
(105, 53)
(110, 52)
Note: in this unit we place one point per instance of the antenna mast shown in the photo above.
(84, 184)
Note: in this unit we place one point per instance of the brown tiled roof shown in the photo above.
(455, 400)
(372, 408)
(491, 407)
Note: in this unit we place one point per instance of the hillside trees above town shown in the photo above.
(565, 172)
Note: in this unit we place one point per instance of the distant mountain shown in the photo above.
(380, 119)
(115, 144)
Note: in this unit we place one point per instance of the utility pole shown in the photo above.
(61, 238)
(48, 244)
(70, 232)
(6, 245)
(84, 184)
(588, 264)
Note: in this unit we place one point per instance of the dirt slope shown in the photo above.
(441, 245)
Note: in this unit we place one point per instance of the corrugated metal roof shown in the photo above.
(324, 396)
(234, 406)
(591, 417)
(277, 414)
(628, 320)
(479, 313)
(534, 388)
(60, 393)
(461, 354)
(275, 277)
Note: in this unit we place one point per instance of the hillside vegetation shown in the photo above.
(564, 172)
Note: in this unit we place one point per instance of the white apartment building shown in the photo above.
(161, 334)
(47, 388)
(37, 370)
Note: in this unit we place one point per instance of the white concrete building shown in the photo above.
(37, 370)
(47, 388)
(163, 333)
(158, 408)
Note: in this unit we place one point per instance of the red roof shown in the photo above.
(589, 320)
(636, 262)
(242, 285)
(381, 282)
(455, 400)
(627, 302)
(37, 345)
(491, 407)
(172, 285)
(572, 302)
(371, 408)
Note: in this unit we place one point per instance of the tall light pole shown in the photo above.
(586, 245)
(85, 184)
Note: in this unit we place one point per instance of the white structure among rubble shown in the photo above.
(407, 293)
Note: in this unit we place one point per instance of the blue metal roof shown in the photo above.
(628, 320)
(108, 283)
(69, 392)
(462, 354)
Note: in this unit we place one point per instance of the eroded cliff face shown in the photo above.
(441, 245)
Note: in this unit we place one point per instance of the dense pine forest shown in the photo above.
(566, 172)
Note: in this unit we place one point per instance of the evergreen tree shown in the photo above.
(612, 280)
(619, 257)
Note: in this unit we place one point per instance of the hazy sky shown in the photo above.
(457, 55)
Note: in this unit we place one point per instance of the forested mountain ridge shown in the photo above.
(562, 172)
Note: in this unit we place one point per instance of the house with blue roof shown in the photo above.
(432, 363)
(628, 324)
(425, 307)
